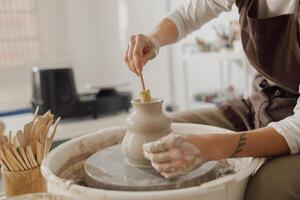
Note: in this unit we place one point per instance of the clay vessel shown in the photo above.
(146, 123)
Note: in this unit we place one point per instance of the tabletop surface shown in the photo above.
(68, 128)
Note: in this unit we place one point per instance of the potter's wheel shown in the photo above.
(108, 169)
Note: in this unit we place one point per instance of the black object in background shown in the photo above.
(55, 89)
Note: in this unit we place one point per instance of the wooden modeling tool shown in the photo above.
(145, 93)
(26, 149)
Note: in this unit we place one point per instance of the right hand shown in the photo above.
(174, 155)
(140, 50)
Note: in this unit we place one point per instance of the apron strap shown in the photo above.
(296, 11)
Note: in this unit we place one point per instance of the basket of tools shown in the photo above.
(21, 155)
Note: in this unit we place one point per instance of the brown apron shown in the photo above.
(272, 47)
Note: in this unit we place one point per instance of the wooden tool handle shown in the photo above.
(142, 81)
(25, 158)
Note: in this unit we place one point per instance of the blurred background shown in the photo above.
(91, 37)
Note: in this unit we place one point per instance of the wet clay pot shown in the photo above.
(146, 123)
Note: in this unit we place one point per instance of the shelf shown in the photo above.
(222, 55)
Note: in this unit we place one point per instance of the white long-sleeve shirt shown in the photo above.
(195, 13)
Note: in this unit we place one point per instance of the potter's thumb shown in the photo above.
(152, 147)
(145, 147)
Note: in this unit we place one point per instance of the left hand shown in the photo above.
(173, 155)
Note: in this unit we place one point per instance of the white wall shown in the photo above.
(54, 33)
(15, 85)
(86, 36)
(94, 42)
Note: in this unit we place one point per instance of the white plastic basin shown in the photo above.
(71, 155)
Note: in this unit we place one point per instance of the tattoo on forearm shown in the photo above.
(240, 145)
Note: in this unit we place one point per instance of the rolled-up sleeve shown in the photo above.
(289, 128)
(192, 15)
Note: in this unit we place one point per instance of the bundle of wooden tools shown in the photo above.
(26, 149)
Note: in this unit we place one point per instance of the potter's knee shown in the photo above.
(197, 116)
(277, 179)
(179, 117)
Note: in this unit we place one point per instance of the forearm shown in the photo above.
(262, 142)
(165, 32)
(188, 18)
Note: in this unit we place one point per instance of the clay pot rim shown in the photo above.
(139, 102)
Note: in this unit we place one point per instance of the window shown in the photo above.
(19, 41)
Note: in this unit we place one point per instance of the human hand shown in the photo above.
(140, 50)
(173, 155)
